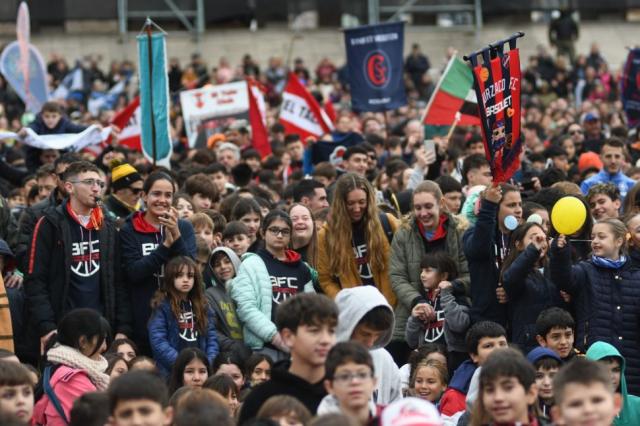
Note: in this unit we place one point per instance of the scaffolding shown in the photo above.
(193, 20)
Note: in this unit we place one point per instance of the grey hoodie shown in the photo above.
(353, 304)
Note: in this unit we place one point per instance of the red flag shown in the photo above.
(300, 112)
(257, 120)
(128, 120)
(330, 110)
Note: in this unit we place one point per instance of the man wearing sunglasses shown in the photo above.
(74, 259)
(126, 191)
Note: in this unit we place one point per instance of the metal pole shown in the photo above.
(122, 19)
(478, 13)
(374, 11)
(150, 59)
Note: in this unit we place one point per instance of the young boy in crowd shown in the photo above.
(306, 323)
(507, 391)
(583, 395)
(220, 177)
(222, 267)
(219, 223)
(555, 330)
(348, 361)
(202, 191)
(451, 194)
(203, 228)
(604, 201)
(236, 237)
(482, 338)
(615, 363)
(546, 363)
(16, 391)
(139, 397)
(367, 318)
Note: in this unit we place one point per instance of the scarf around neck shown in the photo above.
(66, 355)
(603, 262)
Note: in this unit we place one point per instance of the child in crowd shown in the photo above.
(444, 318)
(16, 391)
(143, 363)
(348, 361)
(508, 393)
(124, 347)
(604, 201)
(546, 363)
(482, 339)
(203, 252)
(529, 208)
(285, 410)
(139, 395)
(605, 289)
(583, 395)
(306, 323)
(429, 381)
(181, 317)
(610, 357)
(424, 353)
(451, 193)
(366, 317)
(222, 266)
(230, 364)
(184, 205)
(258, 369)
(527, 283)
(219, 223)
(117, 366)
(191, 368)
(555, 330)
(203, 228)
(236, 237)
(226, 387)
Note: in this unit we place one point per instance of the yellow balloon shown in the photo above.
(568, 215)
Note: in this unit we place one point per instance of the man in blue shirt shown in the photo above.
(612, 155)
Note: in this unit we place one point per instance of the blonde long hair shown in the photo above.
(339, 237)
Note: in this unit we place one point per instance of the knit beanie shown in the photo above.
(123, 175)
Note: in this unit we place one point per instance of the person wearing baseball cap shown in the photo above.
(126, 189)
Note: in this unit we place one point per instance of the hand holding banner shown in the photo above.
(497, 86)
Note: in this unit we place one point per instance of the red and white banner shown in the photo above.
(128, 121)
(300, 112)
(258, 120)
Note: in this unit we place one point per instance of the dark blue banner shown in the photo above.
(631, 88)
(375, 66)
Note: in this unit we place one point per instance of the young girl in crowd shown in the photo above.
(181, 317)
(605, 290)
(429, 380)
(304, 239)
(486, 246)
(16, 392)
(527, 283)
(183, 204)
(227, 388)
(430, 351)
(440, 316)
(231, 365)
(247, 211)
(285, 410)
(148, 240)
(266, 279)
(258, 369)
(126, 348)
(75, 365)
(191, 368)
(117, 366)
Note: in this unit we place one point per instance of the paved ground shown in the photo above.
(313, 45)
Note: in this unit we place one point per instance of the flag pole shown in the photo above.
(147, 29)
(433, 95)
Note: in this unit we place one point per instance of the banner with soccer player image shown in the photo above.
(497, 85)
(630, 87)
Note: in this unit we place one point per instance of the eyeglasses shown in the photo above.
(135, 191)
(90, 182)
(348, 377)
(285, 232)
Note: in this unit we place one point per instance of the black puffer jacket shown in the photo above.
(49, 270)
(607, 306)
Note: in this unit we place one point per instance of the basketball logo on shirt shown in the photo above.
(85, 258)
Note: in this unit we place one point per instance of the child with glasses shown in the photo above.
(265, 280)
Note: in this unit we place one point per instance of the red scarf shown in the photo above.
(439, 233)
(95, 217)
(140, 224)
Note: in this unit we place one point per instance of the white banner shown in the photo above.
(223, 100)
(296, 112)
(75, 141)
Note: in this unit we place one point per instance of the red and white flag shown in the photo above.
(258, 119)
(300, 112)
(128, 120)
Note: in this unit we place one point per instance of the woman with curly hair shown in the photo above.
(354, 245)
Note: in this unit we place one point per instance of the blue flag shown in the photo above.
(375, 66)
(154, 99)
(33, 90)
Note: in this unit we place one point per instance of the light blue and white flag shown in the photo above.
(154, 98)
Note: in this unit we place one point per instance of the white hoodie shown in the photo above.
(353, 304)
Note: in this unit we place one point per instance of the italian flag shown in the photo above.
(453, 94)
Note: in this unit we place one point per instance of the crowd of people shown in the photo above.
(398, 284)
